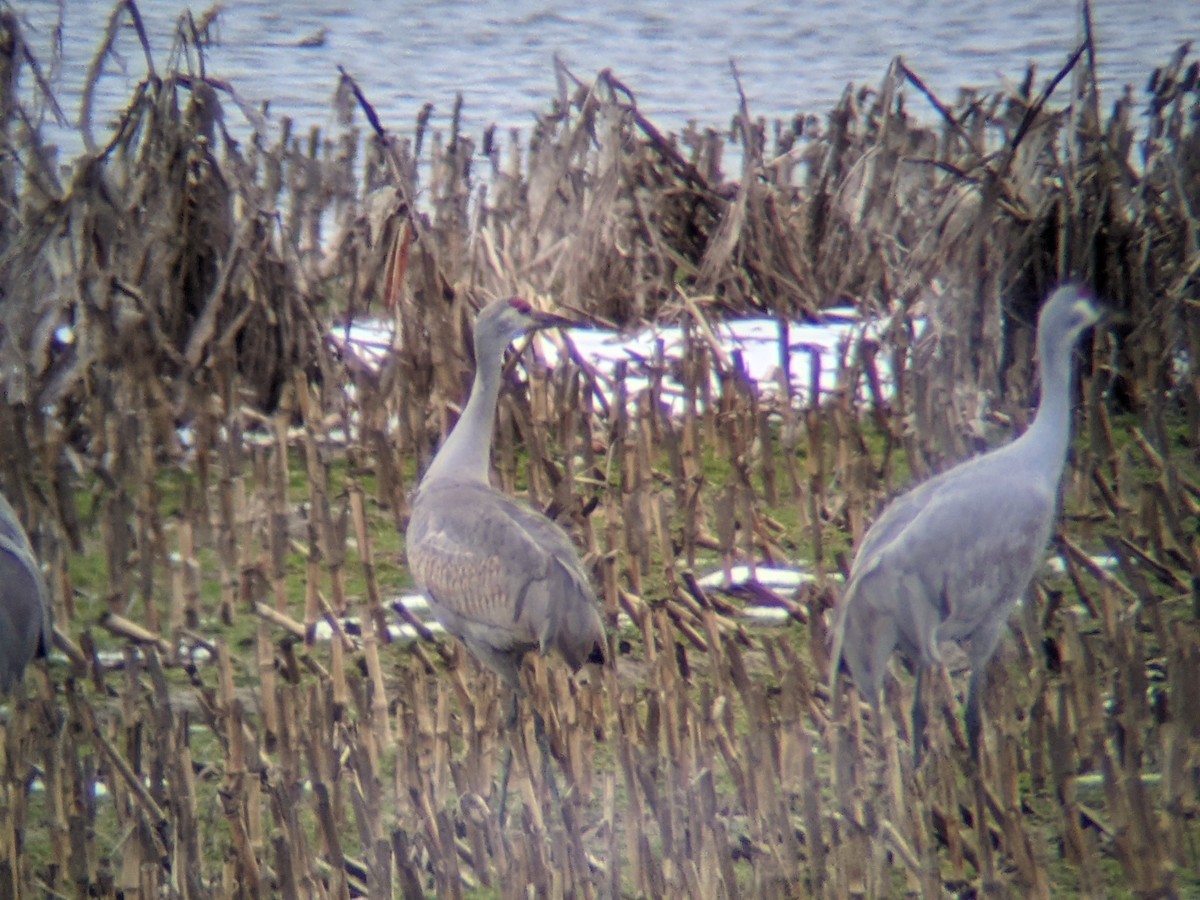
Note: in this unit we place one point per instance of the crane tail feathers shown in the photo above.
(835, 656)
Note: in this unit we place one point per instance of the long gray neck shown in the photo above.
(1050, 434)
(466, 455)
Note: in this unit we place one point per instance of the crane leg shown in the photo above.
(973, 714)
(539, 731)
(543, 742)
(506, 765)
(919, 717)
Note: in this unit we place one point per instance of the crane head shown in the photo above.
(1070, 311)
(514, 317)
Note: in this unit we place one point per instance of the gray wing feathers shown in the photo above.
(931, 570)
(499, 574)
(25, 622)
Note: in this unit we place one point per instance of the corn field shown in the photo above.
(217, 485)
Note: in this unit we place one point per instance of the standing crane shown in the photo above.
(26, 623)
(500, 577)
(948, 560)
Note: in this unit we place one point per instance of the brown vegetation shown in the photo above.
(197, 270)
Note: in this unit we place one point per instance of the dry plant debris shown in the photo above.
(172, 404)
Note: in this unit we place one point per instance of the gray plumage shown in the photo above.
(26, 626)
(500, 577)
(948, 560)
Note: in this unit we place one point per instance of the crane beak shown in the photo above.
(542, 320)
(1111, 317)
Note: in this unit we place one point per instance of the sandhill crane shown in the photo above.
(500, 577)
(26, 625)
(948, 560)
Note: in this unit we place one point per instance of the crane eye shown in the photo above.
(521, 306)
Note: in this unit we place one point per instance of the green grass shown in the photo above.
(90, 578)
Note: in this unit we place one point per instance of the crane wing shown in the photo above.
(964, 547)
(25, 627)
(491, 563)
(944, 562)
(897, 516)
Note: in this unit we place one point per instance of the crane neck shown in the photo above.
(1050, 434)
(466, 454)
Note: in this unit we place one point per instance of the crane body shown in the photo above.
(948, 560)
(26, 623)
(500, 577)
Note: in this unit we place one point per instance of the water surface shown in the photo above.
(792, 57)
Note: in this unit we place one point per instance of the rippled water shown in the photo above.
(792, 57)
